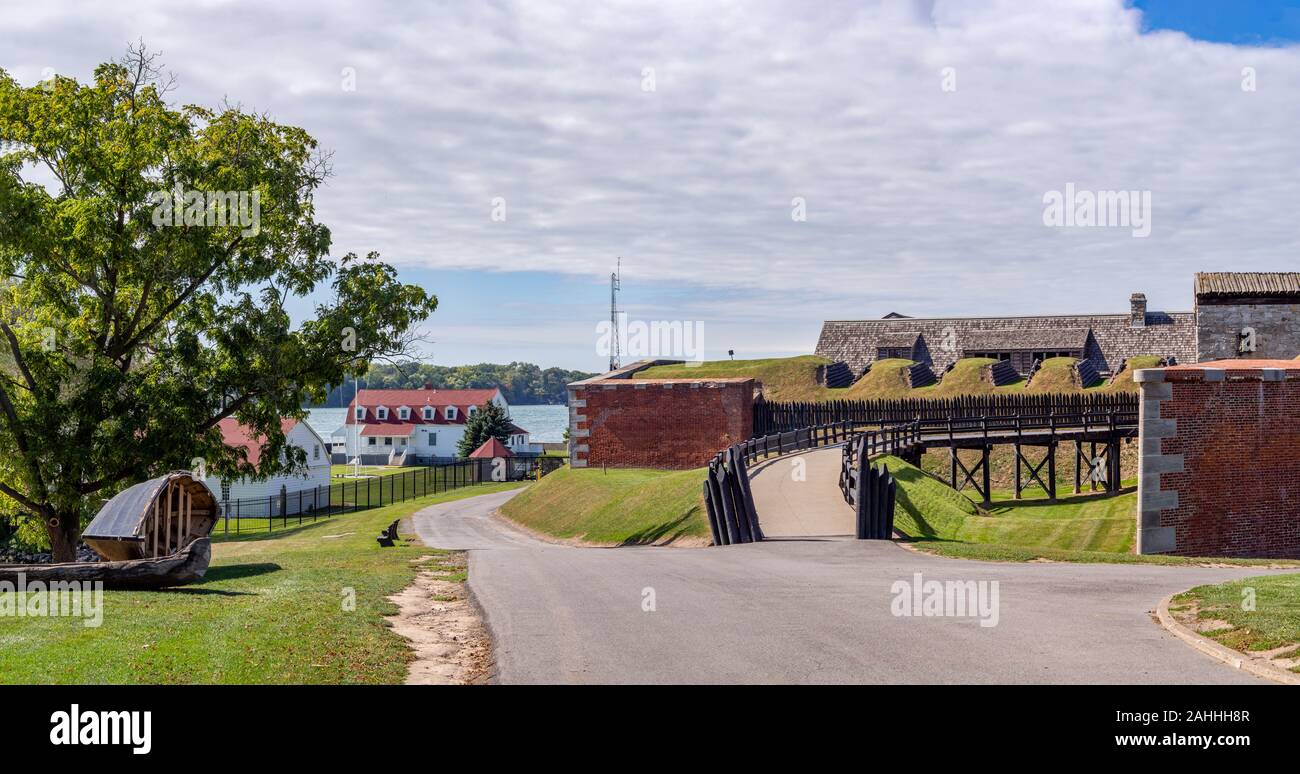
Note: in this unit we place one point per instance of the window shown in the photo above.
(449, 412)
(428, 412)
(472, 409)
(388, 440)
(315, 452)
(403, 413)
(381, 413)
(433, 439)
(361, 412)
(370, 441)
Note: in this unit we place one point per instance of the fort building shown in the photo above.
(1236, 314)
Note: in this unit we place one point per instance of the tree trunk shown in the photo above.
(64, 529)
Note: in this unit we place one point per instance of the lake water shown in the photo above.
(545, 424)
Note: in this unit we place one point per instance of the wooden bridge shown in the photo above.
(1094, 430)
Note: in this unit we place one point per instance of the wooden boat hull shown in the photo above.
(185, 566)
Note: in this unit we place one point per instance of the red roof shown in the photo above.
(235, 435)
(384, 428)
(491, 448)
(416, 400)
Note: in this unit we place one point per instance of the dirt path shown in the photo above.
(451, 644)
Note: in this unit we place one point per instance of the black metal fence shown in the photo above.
(365, 492)
(778, 417)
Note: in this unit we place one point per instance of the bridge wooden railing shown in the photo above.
(777, 417)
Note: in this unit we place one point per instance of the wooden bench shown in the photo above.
(389, 535)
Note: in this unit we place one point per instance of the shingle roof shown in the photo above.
(1278, 284)
(1027, 338)
(899, 339)
(1113, 337)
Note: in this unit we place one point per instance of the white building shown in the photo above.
(423, 425)
(254, 495)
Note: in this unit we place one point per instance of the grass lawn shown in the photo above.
(625, 506)
(270, 610)
(783, 378)
(1082, 528)
(342, 471)
(1273, 624)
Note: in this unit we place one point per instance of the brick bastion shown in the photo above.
(1220, 459)
(618, 420)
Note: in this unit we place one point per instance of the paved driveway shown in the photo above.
(806, 611)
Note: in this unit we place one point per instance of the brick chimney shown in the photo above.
(1137, 310)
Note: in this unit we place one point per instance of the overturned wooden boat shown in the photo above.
(185, 566)
(152, 535)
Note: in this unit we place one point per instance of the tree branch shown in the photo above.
(127, 346)
(18, 356)
(21, 499)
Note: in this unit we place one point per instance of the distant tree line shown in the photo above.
(520, 383)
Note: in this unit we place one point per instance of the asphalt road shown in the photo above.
(806, 611)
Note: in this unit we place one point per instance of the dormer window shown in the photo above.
(403, 413)
(428, 412)
(381, 413)
(472, 409)
(361, 412)
(449, 412)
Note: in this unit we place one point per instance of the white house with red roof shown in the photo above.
(420, 425)
(297, 433)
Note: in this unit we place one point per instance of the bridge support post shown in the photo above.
(1092, 480)
(1019, 457)
(1078, 459)
(985, 462)
(1051, 469)
(1112, 459)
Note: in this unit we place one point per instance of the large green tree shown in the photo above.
(490, 421)
(133, 321)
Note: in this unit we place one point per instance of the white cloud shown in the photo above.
(918, 199)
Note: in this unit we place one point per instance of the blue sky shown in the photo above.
(1243, 22)
(919, 198)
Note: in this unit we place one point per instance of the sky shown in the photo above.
(758, 167)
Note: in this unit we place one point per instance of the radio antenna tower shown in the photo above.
(614, 286)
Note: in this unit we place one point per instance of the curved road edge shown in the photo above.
(1223, 653)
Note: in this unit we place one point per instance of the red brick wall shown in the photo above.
(1221, 460)
(657, 423)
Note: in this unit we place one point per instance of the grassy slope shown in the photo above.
(1124, 379)
(795, 378)
(788, 378)
(1076, 529)
(269, 611)
(963, 379)
(886, 379)
(1056, 374)
(618, 505)
(931, 509)
(1274, 623)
